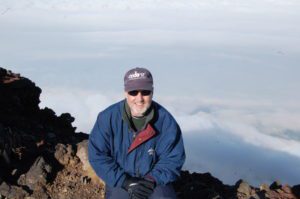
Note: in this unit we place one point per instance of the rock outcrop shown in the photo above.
(38, 148)
(41, 155)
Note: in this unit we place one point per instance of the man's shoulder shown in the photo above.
(161, 110)
(112, 109)
(164, 119)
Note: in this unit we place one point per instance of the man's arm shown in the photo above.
(99, 153)
(171, 155)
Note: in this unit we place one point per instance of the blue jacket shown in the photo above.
(157, 152)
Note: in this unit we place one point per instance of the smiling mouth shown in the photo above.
(140, 106)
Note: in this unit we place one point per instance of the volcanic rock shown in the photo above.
(65, 154)
(9, 191)
(82, 153)
(37, 176)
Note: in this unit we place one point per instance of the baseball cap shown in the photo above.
(138, 79)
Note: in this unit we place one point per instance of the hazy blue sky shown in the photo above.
(227, 70)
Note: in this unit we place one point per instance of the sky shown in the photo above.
(227, 70)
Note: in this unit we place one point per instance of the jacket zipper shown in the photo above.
(134, 134)
(137, 165)
(137, 158)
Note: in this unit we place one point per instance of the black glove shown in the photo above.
(138, 188)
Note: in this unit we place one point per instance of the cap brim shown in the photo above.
(147, 88)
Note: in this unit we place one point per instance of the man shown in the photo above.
(136, 146)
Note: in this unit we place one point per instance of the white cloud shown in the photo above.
(196, 122)
(257, 123)
(84, 105)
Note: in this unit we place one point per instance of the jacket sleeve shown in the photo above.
(171, 154)
(99, 153)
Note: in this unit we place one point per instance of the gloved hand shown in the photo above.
(138, 188)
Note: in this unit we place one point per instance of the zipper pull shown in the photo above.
(134, 134)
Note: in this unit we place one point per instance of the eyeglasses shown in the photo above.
(143, 93)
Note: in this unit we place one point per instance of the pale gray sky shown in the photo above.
(209, 47)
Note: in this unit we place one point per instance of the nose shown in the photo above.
(139, 96)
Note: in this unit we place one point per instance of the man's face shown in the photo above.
(139, 101)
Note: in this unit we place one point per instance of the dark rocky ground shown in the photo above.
(41, 155)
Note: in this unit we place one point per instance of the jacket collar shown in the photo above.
(142, 137)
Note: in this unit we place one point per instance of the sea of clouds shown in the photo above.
(258, 141)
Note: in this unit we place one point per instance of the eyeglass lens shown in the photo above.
(143, 92)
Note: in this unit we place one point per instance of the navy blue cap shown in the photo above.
(138, 79)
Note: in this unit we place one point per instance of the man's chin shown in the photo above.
(139, 113)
